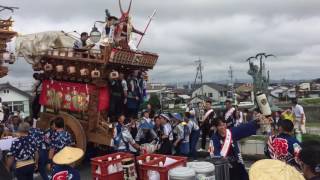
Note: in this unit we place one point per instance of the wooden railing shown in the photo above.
(71, 54)
(107, 56)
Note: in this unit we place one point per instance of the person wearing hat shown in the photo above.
(64, 161)
(309, 159)
(59, 139)
(270, 169)
(284, 146)
(167, 136)
(24, 153)
(225, 144)
(146, 133)
(194, 136)
(123, 140)
(182, 135)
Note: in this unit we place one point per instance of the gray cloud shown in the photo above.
(221, 33)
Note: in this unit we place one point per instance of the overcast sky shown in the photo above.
(220, 32)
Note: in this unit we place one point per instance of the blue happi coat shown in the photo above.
(242, 131)
(283, 147)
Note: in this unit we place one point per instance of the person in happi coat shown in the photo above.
(225, 142)
(81, 44)
(158, 127)
(309, 159)
(195, 134)
(167, 136)
(39, 137)
(23, 154)
(230, 114)
(284, 146)
(206, 124)
(116, 96)
(134, 95)
(64, 162)
(182, 135)
(133, 126)
(123, 140)
(146, 133)
(59, 139)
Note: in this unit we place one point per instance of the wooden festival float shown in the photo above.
(75, 84)
(6, 34)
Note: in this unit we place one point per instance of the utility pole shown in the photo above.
(199, 75)
(231, 83)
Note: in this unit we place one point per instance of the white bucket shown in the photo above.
(182, 173)
(204, 170)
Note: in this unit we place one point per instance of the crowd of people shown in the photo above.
(26, 149)
(32, 149)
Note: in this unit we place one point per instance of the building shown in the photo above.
(244, 93)
(305, 86)
(216, 92)
(16, 99)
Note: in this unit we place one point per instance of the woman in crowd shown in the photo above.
(23, 153)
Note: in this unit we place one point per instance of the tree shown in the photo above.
(155, 102)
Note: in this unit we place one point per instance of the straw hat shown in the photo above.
(269, 169)
(68, 155)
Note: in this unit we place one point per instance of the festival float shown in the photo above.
(6, 35)
(76, 82)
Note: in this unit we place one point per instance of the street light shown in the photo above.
(95, 34)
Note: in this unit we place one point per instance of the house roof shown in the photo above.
(9, 86)
(181, 91)
(205, 98)
(183, 96)
(245, 88)
(216, 86)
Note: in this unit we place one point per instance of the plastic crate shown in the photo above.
(103, 163)
(153, 165)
